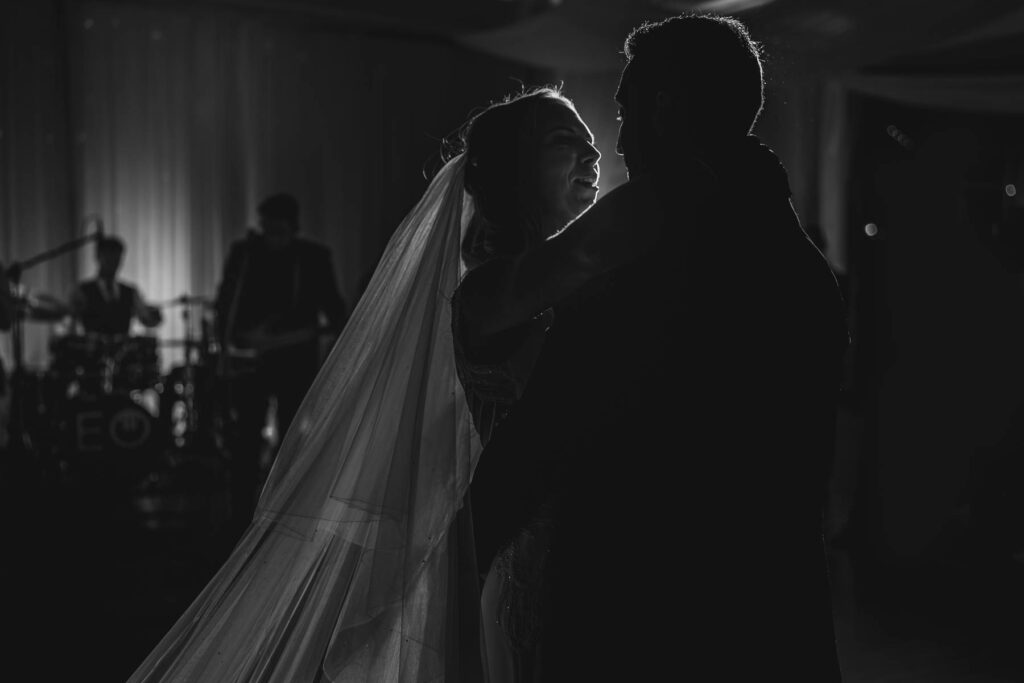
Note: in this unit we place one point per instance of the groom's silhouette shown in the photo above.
(678, 427)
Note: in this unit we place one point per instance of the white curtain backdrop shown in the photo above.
(172, 120)
(185, 120)
(36, 194)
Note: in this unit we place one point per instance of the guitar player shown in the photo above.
(276, 301)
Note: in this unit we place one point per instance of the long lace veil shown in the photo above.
(344, 574)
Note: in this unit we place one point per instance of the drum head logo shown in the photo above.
(129, 428)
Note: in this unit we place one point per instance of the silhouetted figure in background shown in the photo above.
(7, 313)
(105, 305)
(6, 301)
(678, 427)
(278, 296)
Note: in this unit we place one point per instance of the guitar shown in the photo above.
(260, 340)
(247, 348)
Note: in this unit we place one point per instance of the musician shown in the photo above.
(277, 298)
(106, 305)
(6, 301)
(7, 313)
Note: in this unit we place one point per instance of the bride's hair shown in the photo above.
(501, 148)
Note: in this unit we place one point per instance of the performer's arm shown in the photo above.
(504, 293)
(331, 302)
(77, 305)
(6, 301)
(150, 316)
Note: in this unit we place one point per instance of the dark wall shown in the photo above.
(939, 326)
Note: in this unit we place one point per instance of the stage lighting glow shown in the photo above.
(870, 229)
(1011, 190)
(720, 6)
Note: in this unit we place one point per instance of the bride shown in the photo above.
(358, 564)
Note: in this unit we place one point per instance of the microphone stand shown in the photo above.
(19, 442)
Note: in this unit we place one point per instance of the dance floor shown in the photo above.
(96, 572)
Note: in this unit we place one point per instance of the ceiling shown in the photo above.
(586, 35)
(424, 17)
(579, 36)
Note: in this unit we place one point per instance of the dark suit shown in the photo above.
(680, 423)
(280, 292)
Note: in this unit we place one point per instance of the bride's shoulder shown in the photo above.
(482, 280)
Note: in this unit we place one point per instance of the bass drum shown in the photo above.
(110, 431)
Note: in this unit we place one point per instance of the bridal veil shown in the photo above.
(344, 575)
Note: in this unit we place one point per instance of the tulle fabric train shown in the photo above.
(344, 574)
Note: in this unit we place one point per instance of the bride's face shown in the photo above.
(567, 166)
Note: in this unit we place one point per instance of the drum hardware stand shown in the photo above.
(109, 368)
(192, 426)
(189, 381)
(19, 441)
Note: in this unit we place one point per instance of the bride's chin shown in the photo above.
(585, 204)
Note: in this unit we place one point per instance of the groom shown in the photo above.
(677, 429)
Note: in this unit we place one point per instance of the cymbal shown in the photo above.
(185, 299)
(180, 342)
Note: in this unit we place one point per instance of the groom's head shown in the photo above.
(690, 80)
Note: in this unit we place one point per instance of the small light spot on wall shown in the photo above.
(870, 229)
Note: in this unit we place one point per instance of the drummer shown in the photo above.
(105, 305)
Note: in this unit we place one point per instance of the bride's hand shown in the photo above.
(619, 228)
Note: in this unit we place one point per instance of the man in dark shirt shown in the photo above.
(105, 305)
(276, 300)
(679, 423)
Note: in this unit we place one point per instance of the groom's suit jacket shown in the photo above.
(680, 422)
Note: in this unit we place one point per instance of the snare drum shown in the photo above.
(136, 364)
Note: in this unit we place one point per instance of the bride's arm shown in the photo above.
(504, 293)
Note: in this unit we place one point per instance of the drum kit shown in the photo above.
(104, 398)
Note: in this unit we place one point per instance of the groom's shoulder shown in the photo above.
(669, 194)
